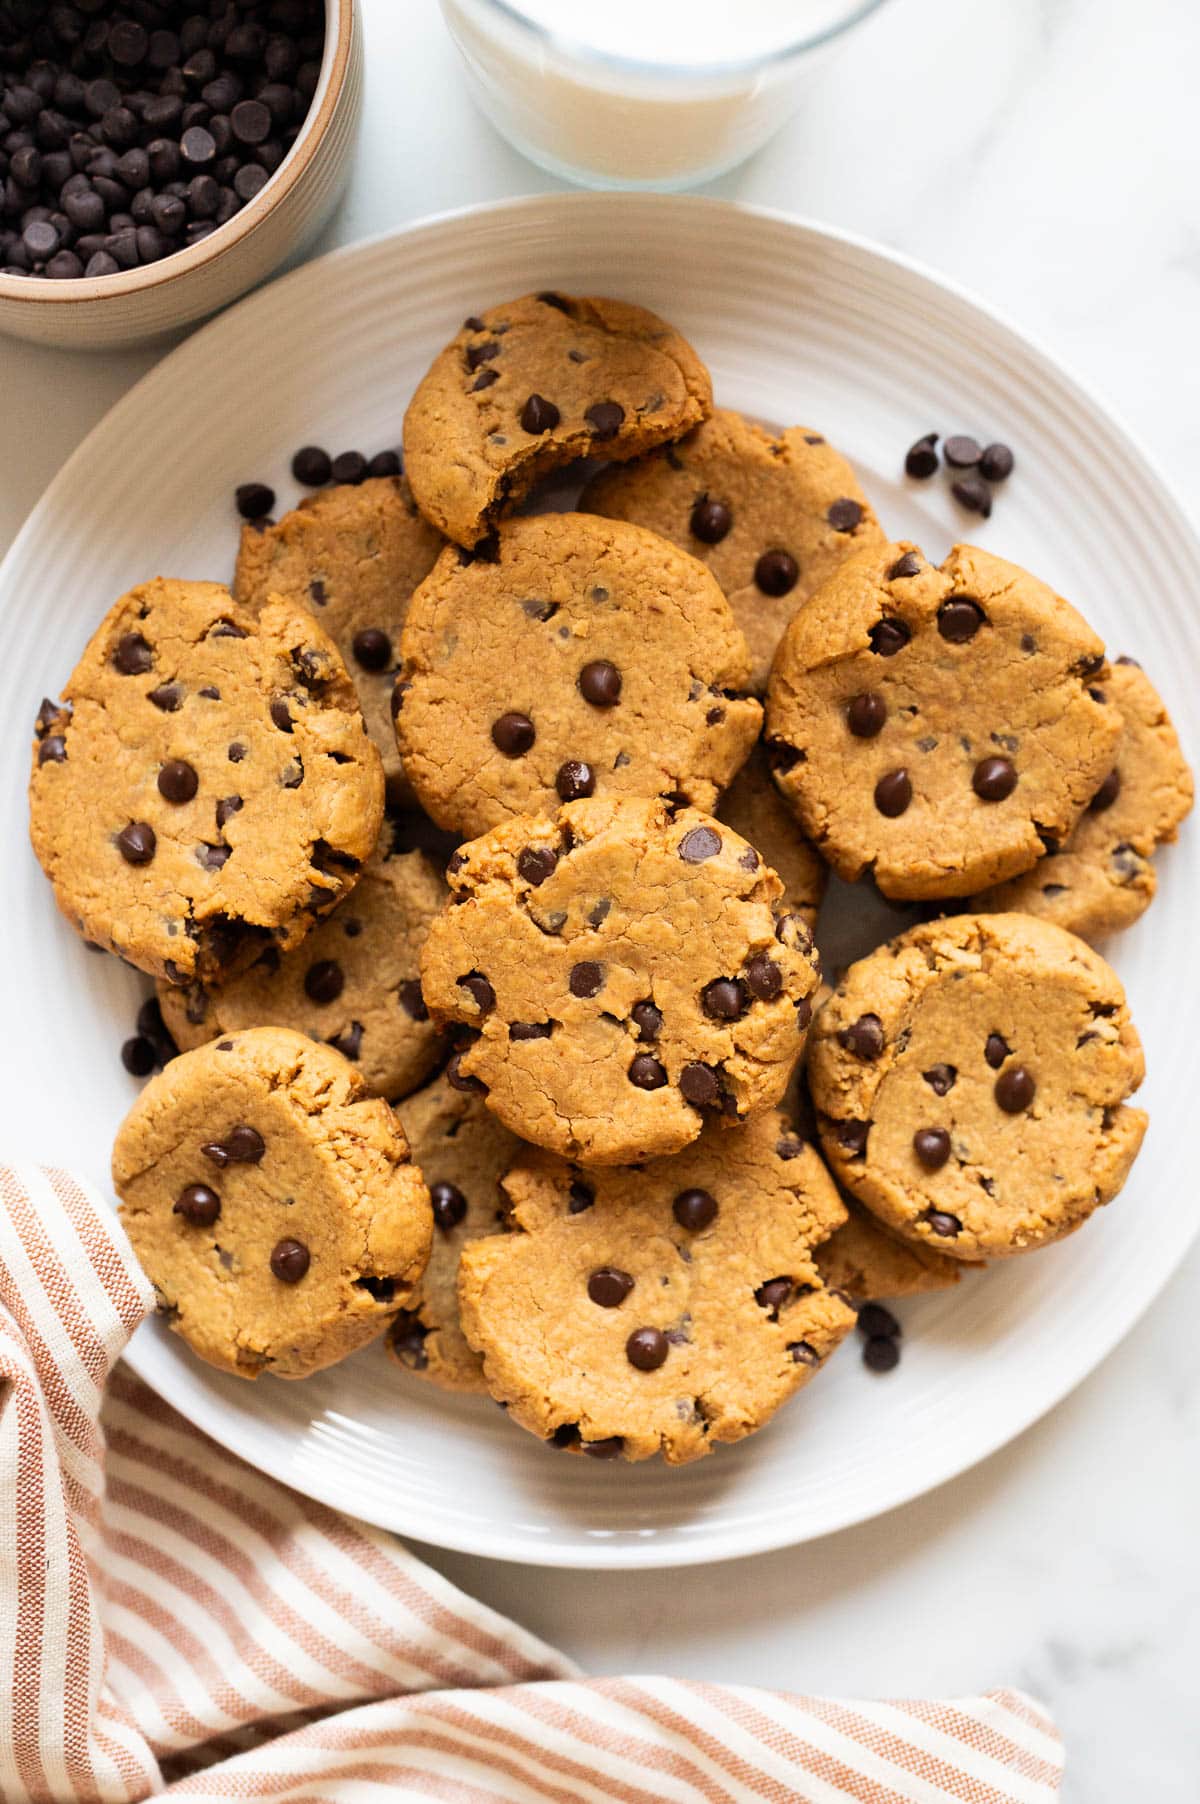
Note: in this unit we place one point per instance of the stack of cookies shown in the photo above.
(521, 821)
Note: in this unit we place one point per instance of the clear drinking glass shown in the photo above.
(643, 93)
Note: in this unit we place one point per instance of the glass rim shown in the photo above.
(569, 46)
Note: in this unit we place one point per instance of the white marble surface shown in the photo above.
(1042, 152)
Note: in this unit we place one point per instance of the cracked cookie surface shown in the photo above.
(272, 1203)
(970, 1080)
(533, 384)
(663, 1309)
(623, 970)
(772, 515)
(207, 786)
(939, 728)
(353, 983)
(753, 807)
(352, 555)
(1103, 878)
(590, 658)
(463, 1153)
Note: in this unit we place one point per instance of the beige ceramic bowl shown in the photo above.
(144, 303)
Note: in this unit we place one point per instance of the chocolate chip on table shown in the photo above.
(586, 978)
(866, 714)
(600, 683)
(710, 520)
(324, 981)
(887, 637)
(312, 466)
(921, 460)
(372, 648)
(961, 452)
(874, 1320)
(723, 999)
(254, 500)
(996, 463)
(1015, 1089)
(959, 619)
(605, 419)
(349, 467)
(138, 1056)
(513, 734)
(609, 1286)
(973, 494)
(864, 1037)
(646, 1349)
(289, 1260)
(137, 842)
(539, 415)
(177, 781)
(893, 793)
(449, 1205)
(1107, 793)
(994, 778)
(776, 573)
(699, 844)
(932, 1147)
(844, 515)
(646, 1073)
(385, 463)
(575, 780)
(881, 1353)
(648, 1021)
(695, 1209)
(198, 1205)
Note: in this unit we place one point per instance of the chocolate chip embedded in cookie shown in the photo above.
(971, 1079)
(622, 971)
(352, 555)
(938, 728)
(463, 1152)
(272, 1203)
(529, 386)
(207, 786)
(354, 982)
(752, 807)
(1102, 879)
(771, 516)
(661, 1309)
(587, 658)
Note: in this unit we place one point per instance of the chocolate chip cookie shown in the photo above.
(771, 515)
(272, 1203)
(354, 983)
(207, 787)
(660, 1309)
(938, 728)
(533, 384)
(621, 971)
(869, 1265)
(352, 555)
(463, 1153)
(1103, 878)
(752, 807)
(971, 1079)
(588, 658)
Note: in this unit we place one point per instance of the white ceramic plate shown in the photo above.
(797, 324)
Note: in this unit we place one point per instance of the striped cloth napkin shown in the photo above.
(174, 1624)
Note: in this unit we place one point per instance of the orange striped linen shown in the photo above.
(174, 1624)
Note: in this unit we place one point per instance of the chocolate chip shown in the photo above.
(648, 1021)
(198, 1205)
(763, 977)
(973, 494)
(962, 452)
(168, 697)
(700, 1085)
(605, 419)
(458, 1079)
(959, 619)
(710, 520)
(349, 1041)
(866, 714)
(289, 1260)
(646, 1349)
(996, 1050)
(281, 714)
(852, 1137)
(932, 1147)
(940, 1078)
(212, 858)
(137, 842)
(611, 1448)
(699, 844)
(804, 1353)
(609, 1287)
(530, 1030)
(887, 637)
(244, 1145)
(586, 979)
(695, 1209)
(996, 463)
(881, 1353)
(372, 648)
(449, 1205)
(844, 515)
(53, 749)
(922, 460)
(251, 122)
(580, 1196)
(513, 734)
(774, 1294)
(864, 1037)
(235, 752)
(941, 1222)
(893, 793)
(349, 467)
(1015, 1089)
(803, 1013)
(311, 466)
(994, 779)
(177, 781)
(406, 1337)
(138, 1056)
(646, 1073)
(539, 415)
(411, 1000)
(875, 1321)
(324, 981)
(575, 779)
(385, 463)
(536, 863)
(479, 990)
(1107, 793)
(776, 573)
(724, 999)
(132, 655)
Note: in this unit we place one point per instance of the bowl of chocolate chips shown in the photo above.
(159, 157)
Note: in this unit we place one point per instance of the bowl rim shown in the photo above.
(341, 22)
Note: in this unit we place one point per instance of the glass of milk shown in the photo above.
(643, 93)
